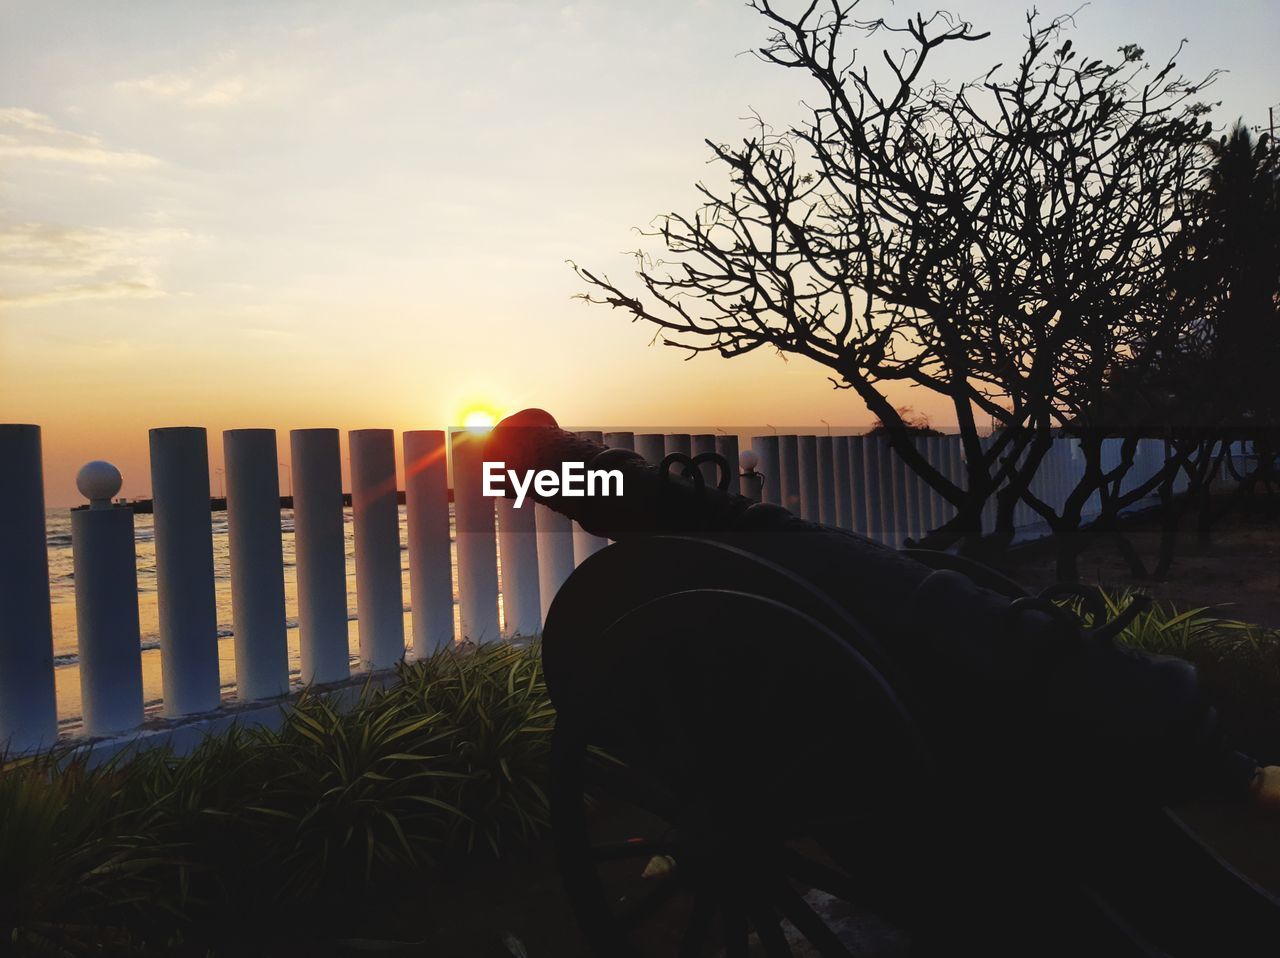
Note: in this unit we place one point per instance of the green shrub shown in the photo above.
(272, 828)
(1239, 665)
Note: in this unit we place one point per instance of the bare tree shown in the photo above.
(996, 241)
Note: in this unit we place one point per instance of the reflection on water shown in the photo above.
(62, 594)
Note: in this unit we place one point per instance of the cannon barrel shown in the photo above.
(981, 654)
(652, 501)
(875, 579)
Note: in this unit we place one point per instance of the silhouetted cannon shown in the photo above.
(760, 719)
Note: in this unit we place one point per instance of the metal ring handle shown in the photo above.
(722, 467)
(687, 469)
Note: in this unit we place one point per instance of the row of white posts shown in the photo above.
(853, 482)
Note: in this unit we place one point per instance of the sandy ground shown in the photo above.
(1239, 572)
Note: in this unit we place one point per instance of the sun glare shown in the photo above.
(479, 419)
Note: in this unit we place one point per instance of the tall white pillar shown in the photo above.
(555, 553)
(989, 507)
(477, 542)
(807, 452)
(928, 496)
(320, 555)
(917, 495)
(826, 481)
(652, 446)
(584, 543)
(257, 562)
(518, 554)
(107, 631)
(769, 468)
(426, 494)
(680, 442)
(941, 453)
(620, 440)
(868, 488)
(28, 701)
(727, 447)
(903, 500)
(375, 520)
(749, 480)
(939, 458)
(868, 479)
(956, 470)
(841, 478)
(789, 473)
(891, 522)
(859, 521)
(184, 569)
(705, 442)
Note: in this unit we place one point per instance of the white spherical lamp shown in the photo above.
(98, 481)
(748, 460)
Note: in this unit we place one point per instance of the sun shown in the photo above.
(479, 417)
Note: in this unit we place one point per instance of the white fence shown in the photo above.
(509, 562)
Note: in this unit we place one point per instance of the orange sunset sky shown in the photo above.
(297, 214)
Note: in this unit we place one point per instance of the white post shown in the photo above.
(989, 509)
(257, 562)
(826, 481)
(184, 569)
(555, 553)
(584, 543)
(959, 468)
(750, 480)
(518, 555)
(705, 442)
(477, 542)
(28, 701)
(769, 469)
(426, 494)
(940, 457)
(807, 453)
(727, 447)
(620, 440)
(870, 488)
(106, 571)
(840, 478)
(652, 446)
(375, 520)
(891, 517)
(680, 442)
(789, 473)
(918, 493)
(936, 451)
(320, 555)
(856, 484)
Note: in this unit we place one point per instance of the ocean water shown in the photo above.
(62, 596)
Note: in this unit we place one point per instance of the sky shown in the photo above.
(296, 214)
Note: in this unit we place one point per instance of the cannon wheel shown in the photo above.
(734, 763)
(625, 575)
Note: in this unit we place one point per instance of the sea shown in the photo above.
(62, 596)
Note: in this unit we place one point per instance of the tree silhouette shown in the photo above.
(1000, 242)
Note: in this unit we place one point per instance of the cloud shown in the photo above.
(43, 264)
(64, 294)
(27, 135)
(218, 83)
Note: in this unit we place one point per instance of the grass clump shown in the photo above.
(1238, 662)
(278, 829)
